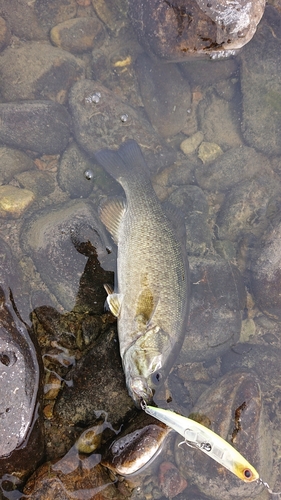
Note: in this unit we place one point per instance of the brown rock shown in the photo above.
(78, 35)
(171, 481)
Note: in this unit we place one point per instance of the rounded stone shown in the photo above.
(14, 201)
(209, 152)
(189, 145)
(78, 35)
(13, 162)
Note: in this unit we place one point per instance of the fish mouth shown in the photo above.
(139, 390)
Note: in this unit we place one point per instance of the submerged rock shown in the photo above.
(235, 396)
(78, 35)
(21, 432)
(103, 119)
(42, 126)
(179, 29)
(51, 236)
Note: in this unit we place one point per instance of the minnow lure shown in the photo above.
(198, 436)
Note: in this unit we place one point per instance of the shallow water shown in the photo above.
(210, 132)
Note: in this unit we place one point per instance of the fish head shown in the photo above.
(143, 364)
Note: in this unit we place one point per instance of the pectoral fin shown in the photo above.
(113, 300)
(111, 212)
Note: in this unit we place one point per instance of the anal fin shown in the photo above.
(113, 300)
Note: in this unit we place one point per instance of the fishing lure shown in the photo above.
(198, 436)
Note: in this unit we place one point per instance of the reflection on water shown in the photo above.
(74, 79)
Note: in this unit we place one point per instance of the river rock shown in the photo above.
(165, 93)
(251, 437)
(177, 30)
(78, 35)
(22, 20)
(194, 207)
(217, 302)
(266, 273)
(112, 12)
(260, 76)
(42, 126)
(103, 119)
(72, 477)
(14, 201)
(71, 173)
(245, 208)
(51, 12)
(53, 72)
(40, 183)
(97, 385)
(206, 72)
(234, 166)
(13, 162)
(50, 237)
(21, 446)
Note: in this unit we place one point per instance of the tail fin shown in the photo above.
(120, 163)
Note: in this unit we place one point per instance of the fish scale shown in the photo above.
(151, 297)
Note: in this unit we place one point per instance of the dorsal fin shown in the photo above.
(111, 212)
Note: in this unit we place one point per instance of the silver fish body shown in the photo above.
(152, 294)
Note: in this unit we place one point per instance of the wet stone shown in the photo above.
(98, 385)
(266, 273)
(208, 72)
(209, 152)
(189, 145)
(194, 207)
(218, 405)
(40, 183)
(51, 12)
(71, 173)
(14, 201)
(112, 12)
(50, 238)
(234, 166)
(178, 30)
(20, 393)
(13, 162)
(78, 35)
(97, 117)
(166, 95)
(260, 76)
(217, 302)
(244, 210)
(42, 126)
(21, 18)
(70, 478)
(53, 72)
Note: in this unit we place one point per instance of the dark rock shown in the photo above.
(166, 95)
(171, 481)
(194, 206)
(40, 183)
(51, 12)
(72, 477)
(71, 173)
(42, 126)
(98, 385)
(234, 166)
(78, 35)
(21, 446)
(266, 273)
(102, 119)
(217, 302)
(218, 405)
(261, 86)
(50, 237)
(53, 72)
(21, 18)
(177, 30)
(13, 162)
(245, 208)
(206, 72)
(112, 12)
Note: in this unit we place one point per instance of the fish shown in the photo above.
(151, 294)
(198, 436)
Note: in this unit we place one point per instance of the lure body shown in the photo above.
(198, 436)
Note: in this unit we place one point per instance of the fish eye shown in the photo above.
(156, 378)
(247, 473)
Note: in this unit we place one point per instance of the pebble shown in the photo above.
(78, 35)
(14, 201)
(22, 19)
(40, 183)
(112, 12)
(189, 145)
(53, 72)
(171, 481)
(209, 152)
(13, 162)
(41, 126)
(52, 12)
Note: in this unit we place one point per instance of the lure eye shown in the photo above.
(247, 473)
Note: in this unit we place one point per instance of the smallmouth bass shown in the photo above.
(151, 296)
